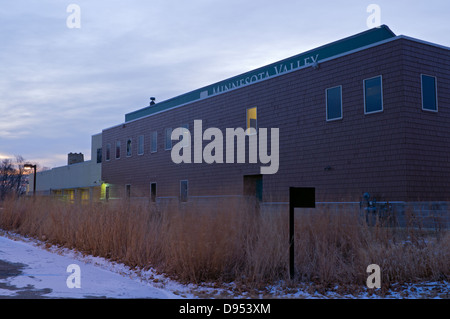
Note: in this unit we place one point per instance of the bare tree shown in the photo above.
(12, 181)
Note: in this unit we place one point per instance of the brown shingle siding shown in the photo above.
(400, 153)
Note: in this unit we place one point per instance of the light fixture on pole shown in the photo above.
(28, 167)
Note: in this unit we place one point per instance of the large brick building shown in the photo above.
(368, 113)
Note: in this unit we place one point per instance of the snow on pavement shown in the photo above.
(29, 271)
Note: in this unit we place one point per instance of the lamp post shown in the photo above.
(28, 167)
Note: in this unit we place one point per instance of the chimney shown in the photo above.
(73, 158)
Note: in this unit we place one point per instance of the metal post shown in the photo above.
(291, 237)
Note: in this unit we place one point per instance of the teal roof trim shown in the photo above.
(308, 58)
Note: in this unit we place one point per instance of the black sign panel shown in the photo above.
(302, 197)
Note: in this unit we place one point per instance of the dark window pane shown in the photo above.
(334, 103)
(429, 93)
(373, 95)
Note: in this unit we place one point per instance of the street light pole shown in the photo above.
(28, 167)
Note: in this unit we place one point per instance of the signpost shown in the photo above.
(299, 197)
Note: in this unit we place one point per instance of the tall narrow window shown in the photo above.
(373, 95)
(153, 192)
(168, 138)
(117, 149)
(108, 152)
(429, 93)
(252, 125)
(140, 144)
(183, 191)
(154, 142)
(128, 191)
(99, 155)
(185, 140)
(129, 147)
(334, 103)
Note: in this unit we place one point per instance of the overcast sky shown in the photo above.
(60, 85)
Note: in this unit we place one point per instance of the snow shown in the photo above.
(39, 270)
(44, 274)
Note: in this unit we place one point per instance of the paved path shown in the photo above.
(28, 271)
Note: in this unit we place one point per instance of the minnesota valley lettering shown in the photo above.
(280, 68)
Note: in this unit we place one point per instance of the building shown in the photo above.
(79, 180)
(366, 114)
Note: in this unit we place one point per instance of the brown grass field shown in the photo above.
(228, 241)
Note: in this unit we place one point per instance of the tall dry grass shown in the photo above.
(229, 241)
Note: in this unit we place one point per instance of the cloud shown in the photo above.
(59, 86)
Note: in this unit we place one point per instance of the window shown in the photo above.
(429, 93)
(168, 138)
(140, 144)
(373, 95)
(117, 149)
(185, 136)
(128, 191)
(108, 152)
(251, 126)
(129, 147)
(153, 192)
(183, 191)
(334, 103)
(99, 155)
(154, 147)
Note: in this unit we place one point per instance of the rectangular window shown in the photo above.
(153, 192)
(373, 95)
(128, 191)
(183, 191)
(129, 147)
(117, 149)
(429, 93)
(99, 155)
(334, 103)
(140, 144)
(154, 142)
(108, 152)
(251, 125)
(185, 138)
(168, 139)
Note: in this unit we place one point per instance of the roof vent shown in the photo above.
(152, 101)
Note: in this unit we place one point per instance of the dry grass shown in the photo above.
(229, 241)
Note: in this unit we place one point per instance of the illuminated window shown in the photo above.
(429, 93)
(334, 103)
(373, 95)
(251, 126)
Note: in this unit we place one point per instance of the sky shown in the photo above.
(67, 73)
